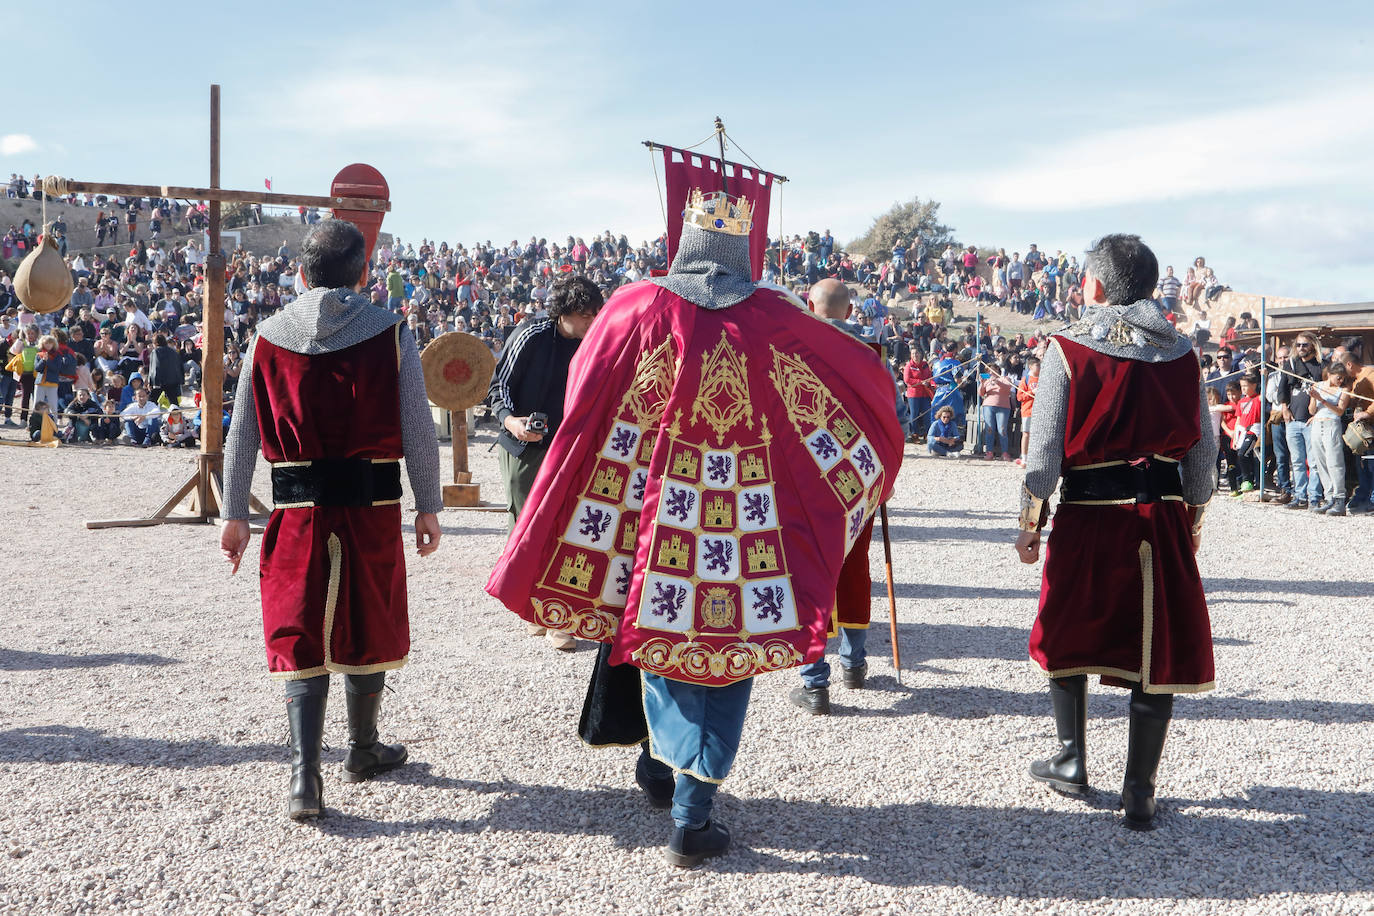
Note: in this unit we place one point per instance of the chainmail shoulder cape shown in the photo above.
(710, 269)
(1136, 331)
(325, 321)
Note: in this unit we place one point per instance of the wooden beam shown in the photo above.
(226, 196)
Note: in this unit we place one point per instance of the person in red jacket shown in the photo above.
(916, 377)
(1245, 433)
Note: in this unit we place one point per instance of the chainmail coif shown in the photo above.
(710, 269)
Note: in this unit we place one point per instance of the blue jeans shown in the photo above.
(1283, 476)
(141, 435)
(1364, 492)
(852, 655)
(995, 421)
(1305, 486)
(696, 731)
(918, 415)
(936, 448)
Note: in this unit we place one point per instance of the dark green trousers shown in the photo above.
(519, 472)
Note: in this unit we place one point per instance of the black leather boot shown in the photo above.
(1067, 770)
(1150, 714)
(854, 677)
(306, 715)
(815, 700)
(366, 755)
(689, 848)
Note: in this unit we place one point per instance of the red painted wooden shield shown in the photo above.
(361, 180)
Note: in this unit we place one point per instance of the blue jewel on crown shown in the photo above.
(720, 224)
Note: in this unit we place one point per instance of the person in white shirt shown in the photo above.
(142, 418)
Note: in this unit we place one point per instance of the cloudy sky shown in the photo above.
(1241, 131)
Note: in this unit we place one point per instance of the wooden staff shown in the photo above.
(891, 597)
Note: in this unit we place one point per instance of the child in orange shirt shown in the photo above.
(1025, 396)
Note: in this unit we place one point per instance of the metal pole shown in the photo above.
(978, 387)
(1264, 393)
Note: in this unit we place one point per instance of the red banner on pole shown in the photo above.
(687, 170)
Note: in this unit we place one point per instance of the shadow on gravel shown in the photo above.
(1309, 842)
(997, 535)
(981, 702)
(19, 660)
(967, 514)
(1299, 587)
(924, 590)
(67, 744)
(461, 530)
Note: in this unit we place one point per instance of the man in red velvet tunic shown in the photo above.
(1120, 415)
(830, 299)
(332, 392)
(721, 450)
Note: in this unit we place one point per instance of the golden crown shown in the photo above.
(715, 212)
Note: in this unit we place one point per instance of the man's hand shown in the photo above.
(1361, 415)
(1287, 414)
(233, 540)
(1197, 542)
(1028, 546)
(519, 428)
(426, 533)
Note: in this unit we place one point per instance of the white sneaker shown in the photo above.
(534, 629)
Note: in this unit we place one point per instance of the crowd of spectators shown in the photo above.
(122, 363)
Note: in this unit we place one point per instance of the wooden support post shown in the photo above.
(462, 493)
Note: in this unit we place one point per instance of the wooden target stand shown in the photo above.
(358, 194)
(458, 368)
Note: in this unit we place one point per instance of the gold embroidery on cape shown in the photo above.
(590, 623)
(735, 661)
(653, 382)
(576, 573)
(808, 402)
(723, 400)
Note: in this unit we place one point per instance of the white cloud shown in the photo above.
(1322, 139)
(15, 144)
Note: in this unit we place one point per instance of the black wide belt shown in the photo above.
(1147, 481)
(336, 482)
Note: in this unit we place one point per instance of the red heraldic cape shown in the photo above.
(708, 481)
(333, 577)
(1122, 596)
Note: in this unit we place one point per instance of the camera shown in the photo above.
(538, 423)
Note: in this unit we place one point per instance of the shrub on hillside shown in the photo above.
(904, 221)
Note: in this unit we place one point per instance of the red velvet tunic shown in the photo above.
(854, 588)
(333, 577)
(1121, 595)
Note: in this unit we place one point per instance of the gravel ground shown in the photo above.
(143, 756)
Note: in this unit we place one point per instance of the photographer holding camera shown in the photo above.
(527, 391)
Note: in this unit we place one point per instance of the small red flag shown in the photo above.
(268, 182)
